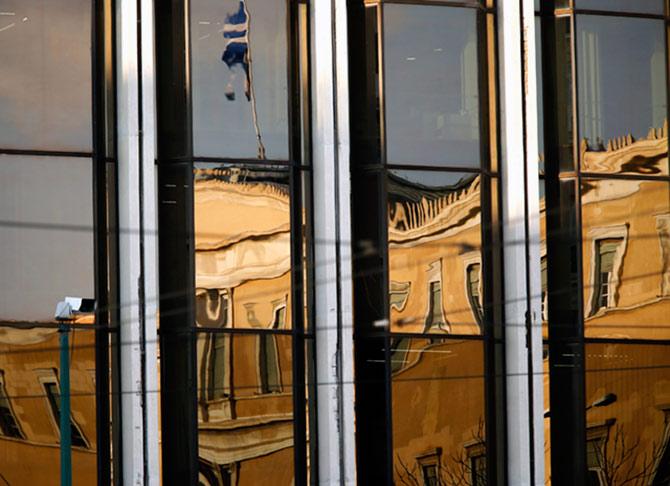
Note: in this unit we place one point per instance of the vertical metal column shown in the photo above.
(137, 253)
(332, 232)
(522, 346)
(149, 215)
(533, 241)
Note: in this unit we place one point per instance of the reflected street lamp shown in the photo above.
(66, 312)
(603, 401)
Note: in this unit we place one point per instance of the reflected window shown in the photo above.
(597, 437)
(604, 285)
(212, 307)
(219, 366)
(270, 381)
(477, 460)
(430, 477)
(435, 319)
(9, 426)
(268, 358)
(399, 293)
(52, 393)
(429, 466)
(474, 290)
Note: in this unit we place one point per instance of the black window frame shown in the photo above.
(369, 168)
(102, 157)
(563, 176)
(178, 333)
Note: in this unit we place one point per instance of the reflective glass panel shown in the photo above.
(30, 376)
(626, 258)
(45, 87)
(438, 411)
(239, 78)
(622, 87)
(636, 6)
(46, 235)
(627, 412)
(242, 247)
(245, 402)
(434, 235)
(431, 85)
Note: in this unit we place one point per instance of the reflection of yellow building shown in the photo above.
(29, 406)
(243, 281)
(435, 258)
(436, 288)
(626, 295)
(438, 412)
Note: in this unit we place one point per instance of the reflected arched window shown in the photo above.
(474, 272)
(606, 252)
(9, 426)
(435, 319)
(268, 355)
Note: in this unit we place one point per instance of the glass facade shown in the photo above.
(409, 135)
(424, 208)
(605, 205)
(234, 191)
(56, 211)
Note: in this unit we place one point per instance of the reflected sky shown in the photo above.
(45, 87)
(46, 242)
(224, 127)
(621, 75)
(431, 85)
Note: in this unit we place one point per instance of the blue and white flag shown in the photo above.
(235, 31)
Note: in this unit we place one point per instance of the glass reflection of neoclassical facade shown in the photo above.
(235, 311)
(605, 242)
(296, 219)
(424, 181)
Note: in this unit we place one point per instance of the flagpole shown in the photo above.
(252, 97)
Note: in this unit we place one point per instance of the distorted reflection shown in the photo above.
(240, 83)
(242, 248)
(438, 412)
(435, 266)
(623, 130)
(30, 405)
(626, 258)
(628, 413)
(245, 412)
(243, 281)
(431, 85)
